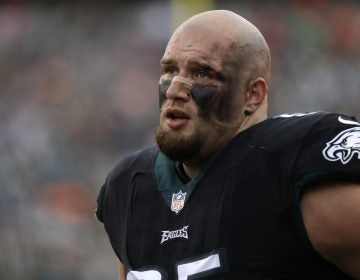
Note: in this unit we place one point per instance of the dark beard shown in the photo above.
(175, 147)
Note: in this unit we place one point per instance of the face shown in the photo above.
(199, 95)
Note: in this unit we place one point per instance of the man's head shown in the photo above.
(213, 84)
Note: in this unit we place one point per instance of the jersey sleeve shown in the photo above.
(330, 151)
(111, 208)
(113, 202)
(100, 205)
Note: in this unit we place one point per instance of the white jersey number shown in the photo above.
(147, 274)
(197, 267)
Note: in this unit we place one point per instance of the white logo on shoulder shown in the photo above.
(178, 201)
(344, 121)
(171, 234)
(295, 115)
(344, 146)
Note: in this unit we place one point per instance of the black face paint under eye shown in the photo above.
(163, 88)
(212, 101)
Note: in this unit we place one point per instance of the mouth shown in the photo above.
(176, 118)
(176, 114)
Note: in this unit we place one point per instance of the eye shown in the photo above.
(201, 74)
(170, 71)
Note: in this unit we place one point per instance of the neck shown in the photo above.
(191, 171)
(193, 167)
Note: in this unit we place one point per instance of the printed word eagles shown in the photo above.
(180, 233)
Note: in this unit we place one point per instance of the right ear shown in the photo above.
(255, 95)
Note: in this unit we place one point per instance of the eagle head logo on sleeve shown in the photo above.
(344, 146)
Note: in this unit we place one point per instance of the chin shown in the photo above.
(177, 146)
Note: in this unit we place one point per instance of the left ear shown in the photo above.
(255, 95)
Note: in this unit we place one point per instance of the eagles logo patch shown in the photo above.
(344, 146)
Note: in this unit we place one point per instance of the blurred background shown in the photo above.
(78, 91)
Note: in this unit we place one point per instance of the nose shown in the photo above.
(179, 89)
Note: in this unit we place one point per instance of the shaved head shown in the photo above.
(213, 84)
(243, 43)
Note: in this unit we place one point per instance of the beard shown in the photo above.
(176, 146)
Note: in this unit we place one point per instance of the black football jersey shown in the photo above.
(241, 218)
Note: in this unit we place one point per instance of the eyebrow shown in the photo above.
(192, 63)
(167, 61)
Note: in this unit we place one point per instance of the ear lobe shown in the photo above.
(254, 97)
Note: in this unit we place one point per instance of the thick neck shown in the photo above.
(191, 171)
(193, 167)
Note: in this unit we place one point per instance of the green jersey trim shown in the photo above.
(168, 182)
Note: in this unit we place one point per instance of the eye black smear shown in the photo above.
(211, 101)
(163, 87)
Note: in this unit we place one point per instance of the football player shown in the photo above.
(228, 193)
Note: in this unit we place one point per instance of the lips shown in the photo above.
(176, 118)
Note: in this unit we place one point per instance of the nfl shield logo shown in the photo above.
(178, 201)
